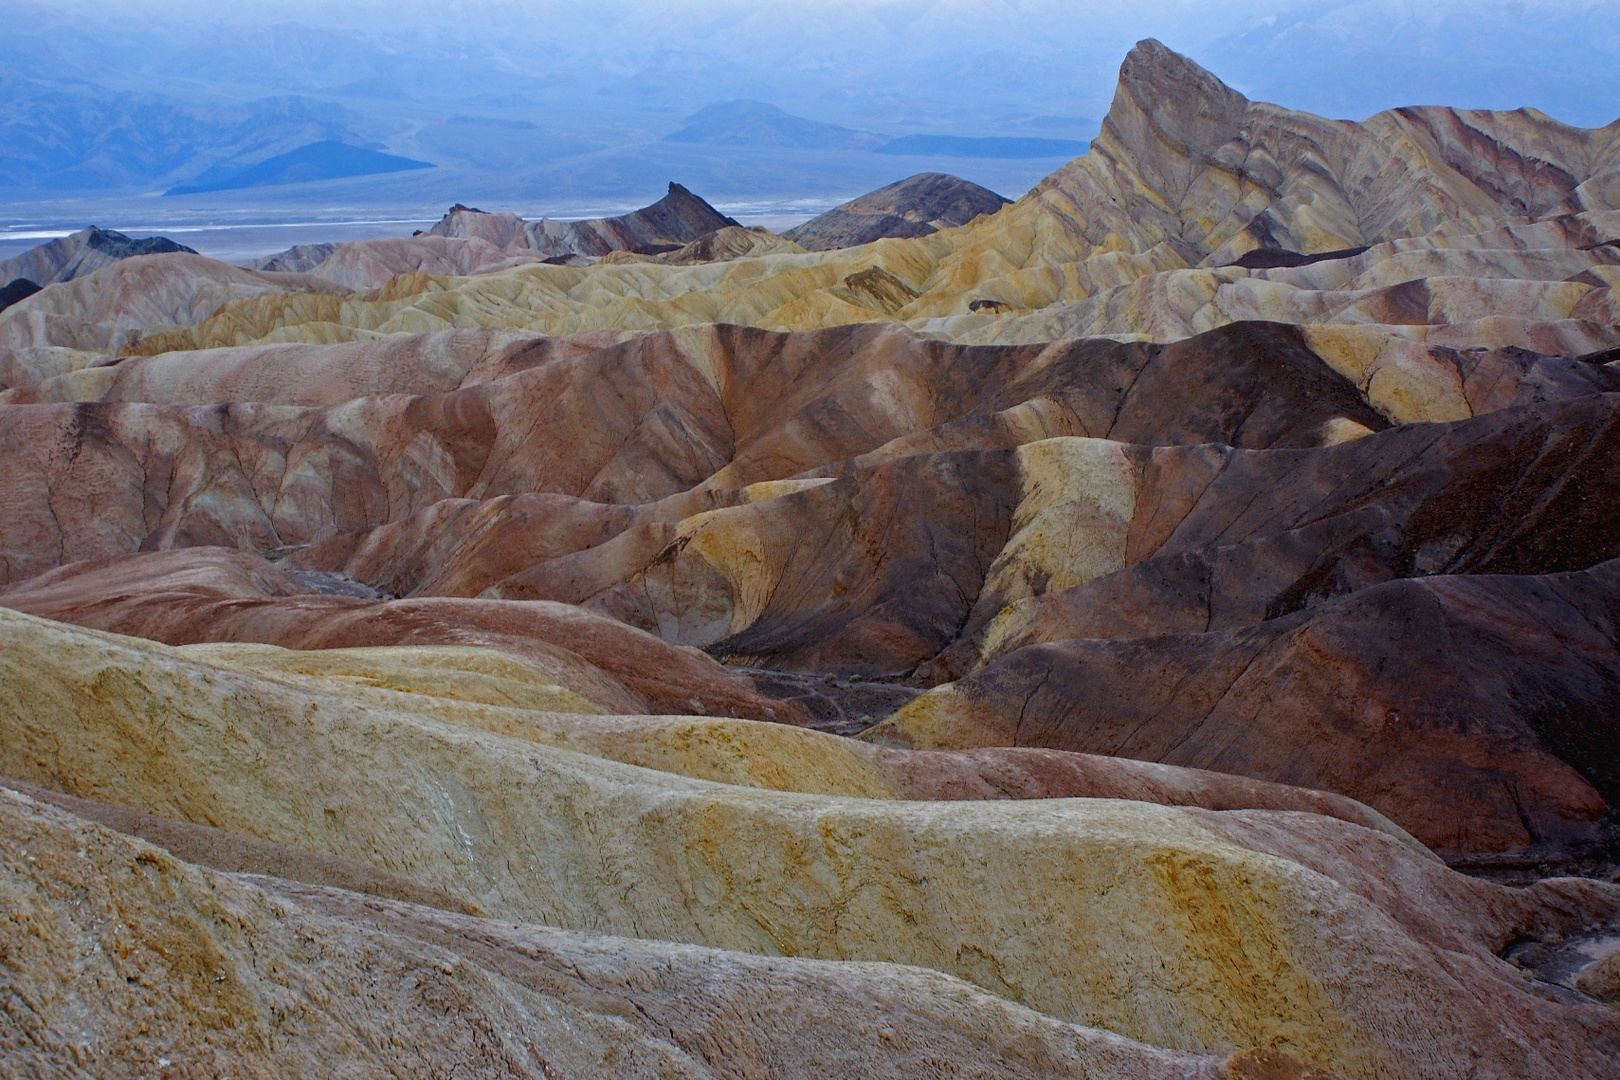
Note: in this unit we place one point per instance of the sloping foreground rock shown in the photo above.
(210, 594)
(1187, 929)
(929, 523)
(85, 322)
(157, 967)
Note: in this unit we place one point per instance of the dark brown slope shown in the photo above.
(69, 257)
(678, 218)
(1223, 538)
(915, 206)
(1480, 712)
(887, 566)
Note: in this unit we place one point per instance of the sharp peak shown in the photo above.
(1153, 66)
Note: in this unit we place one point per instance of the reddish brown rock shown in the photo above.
(315, 375)
(633, 423)
(199, 595)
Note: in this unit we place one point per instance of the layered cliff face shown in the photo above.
(1217, 553)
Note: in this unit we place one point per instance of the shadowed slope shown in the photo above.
(915, 206)
(1477, 711)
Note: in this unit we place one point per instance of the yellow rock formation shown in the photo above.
(1149, 921)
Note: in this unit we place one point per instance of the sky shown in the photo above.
(547, 105)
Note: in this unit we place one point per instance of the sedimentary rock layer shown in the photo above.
(857, 500)
(1463, 228)
(187, 972)
(81, 253)
(1478, 711)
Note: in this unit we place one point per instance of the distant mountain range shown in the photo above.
(75, 136)
(757, 123)
(324, 160)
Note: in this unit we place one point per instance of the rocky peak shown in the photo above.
(1166, 100)
(466, 222)
(915, 206)
(81, 253)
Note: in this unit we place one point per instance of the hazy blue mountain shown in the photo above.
(325, 160)
(70, 135)
(755, 123)
(992, 147)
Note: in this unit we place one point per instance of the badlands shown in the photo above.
(1165, 626)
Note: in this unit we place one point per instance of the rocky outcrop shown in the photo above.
(916, 206)
(88, 321)
(1193, 208)
(630, 424)
(199, 595)
(721, 245)
(298, 374)
(17, 289)
(540, 656)
(82, 253)
(469, 241)
(1477, 711)
(678, 218)
(298, 259)
(860, 501)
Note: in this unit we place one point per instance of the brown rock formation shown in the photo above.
(1346, 947)
(631, 423)
(1477, 711)
(209, 972)
(207, 594)
(83, 252)
(915, 206)
(86, 321)
(471, 241)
